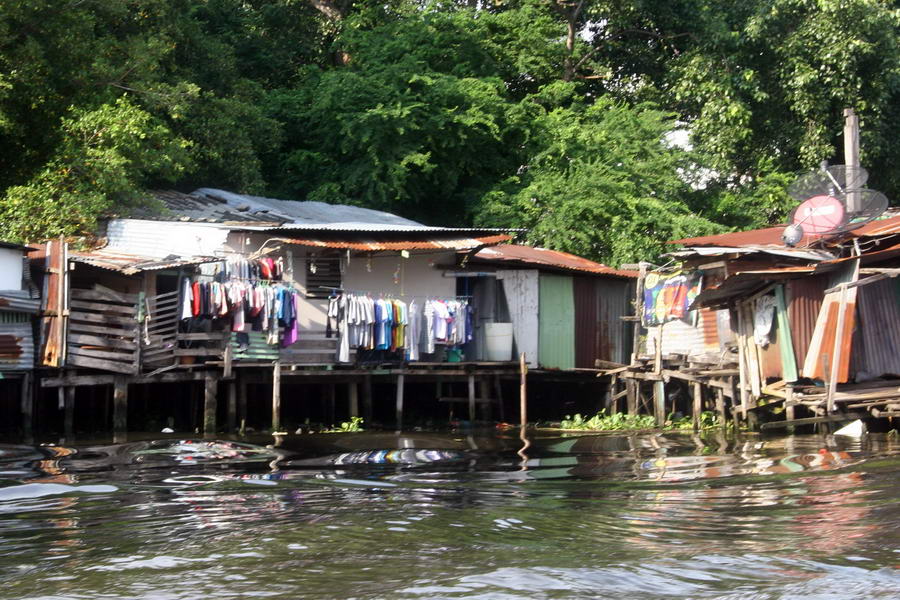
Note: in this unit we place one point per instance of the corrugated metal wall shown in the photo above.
(878, 330)
(556, 337)
(587, 326)
(521, 289)
(682, 337)
(16, 342)
(804, 298)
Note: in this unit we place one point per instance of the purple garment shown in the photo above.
(291, 332)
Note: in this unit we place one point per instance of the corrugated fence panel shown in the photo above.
(587, 326)
(879, 328)
(521, 289)
(613, 303)
(683, 337)
(804, 297)
(556, 337)
(16, 346)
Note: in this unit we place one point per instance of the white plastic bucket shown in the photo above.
(498, 341)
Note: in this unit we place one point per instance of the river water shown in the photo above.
(452, 515)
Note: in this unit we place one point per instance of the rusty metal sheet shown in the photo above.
(804, 298)
(457, 243)
(129, 264)
(587, 325)
(542, 257)
(16, 346)
(49, 258)
(15, 301)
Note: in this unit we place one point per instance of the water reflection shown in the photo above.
(453, 516)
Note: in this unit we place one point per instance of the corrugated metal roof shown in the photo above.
(19, 301)
(132, 263)
(465, 243)
(12, 246)
(529, 256)
(801, 253)
(771, 236)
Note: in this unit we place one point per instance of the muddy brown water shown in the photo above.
(452, 515)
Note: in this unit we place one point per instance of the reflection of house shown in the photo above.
(566, 311)
(817, 324)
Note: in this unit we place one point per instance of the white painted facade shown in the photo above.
(10, 269)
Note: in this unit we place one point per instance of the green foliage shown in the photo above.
(354, 425)
(452, 113)
(605, 422)
(708, 420)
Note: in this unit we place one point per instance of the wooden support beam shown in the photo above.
(241, 384)
(789, 410)
(720, 406)
(367, 398)
(484, 388)
(210, 404)
(697, 408)
(231, 419)
(401, 381)
(523, 391)
(82, 380)
(26, 404)
(632, 394)
(353, 398)
(69, 419)
(498, 391)
(330, 401)
(472, 398)
(659, 403)
(120, 405)
(276, 396)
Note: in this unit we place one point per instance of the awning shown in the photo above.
(129, 264)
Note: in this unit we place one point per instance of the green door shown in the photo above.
(556, 338)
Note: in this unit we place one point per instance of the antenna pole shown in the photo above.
(851, 156)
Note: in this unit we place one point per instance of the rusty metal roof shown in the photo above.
(771, 236)
(130, 264)
(542, 257)
(19, 301)
(452, 243)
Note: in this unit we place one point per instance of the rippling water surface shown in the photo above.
(453, 516)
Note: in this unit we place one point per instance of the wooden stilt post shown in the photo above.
(330, 401)
(26, 405)
(232, 406)
(276, 396)
(523, 392)
(789, 412)
(471, 398)
(353, 398)
(210, 403)
(697, 397)
(498, 392)
(241, 384)
(400, 384)
(632, 395)
(484, 390)
(367, 399)
(659, 402)
(720, 406)
(69, 419)
(120, 405)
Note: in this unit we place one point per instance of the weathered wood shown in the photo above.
(216, 336)
(718, 372)
(104, 296)
(353, 398)
(226, 369)
(464, 400)
(742, 362)
(697, 407)
(330, 401)
(26, 404)
(102, 365)
(659, 403)
(837, 349)
(124, 334)
(198, 351)
(103, 342)
(523, 391)
(118, 309)
(367, 398)
(276, 396)
(69, 418)
(498, 392)
(720, 406)
(241, 384)
(472, 398)
(123, 356)
(231, 409)
(631, 393)
(210, 404)
(102, 319)
(120, 404)
(813, 420)
(399, 405)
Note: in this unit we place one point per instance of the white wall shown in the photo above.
(10, 269)
(523, 298)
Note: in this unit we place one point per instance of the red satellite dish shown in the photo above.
(819, 214)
